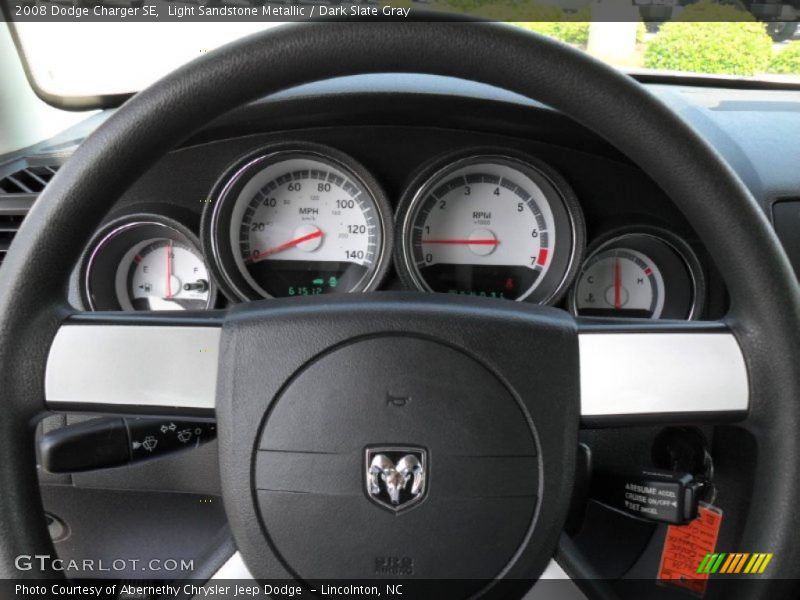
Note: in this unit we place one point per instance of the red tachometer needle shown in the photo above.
(258, 255)
(169, 269)
(463, 242)
(617, 285)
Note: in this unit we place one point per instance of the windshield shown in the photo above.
(79, 58)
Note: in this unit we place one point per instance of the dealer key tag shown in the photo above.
(685, 547)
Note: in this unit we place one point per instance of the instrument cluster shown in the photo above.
(298, 219)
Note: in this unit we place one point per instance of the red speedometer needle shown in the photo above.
(617, 285)
(463, 242)
(259, 254)
(168, 248)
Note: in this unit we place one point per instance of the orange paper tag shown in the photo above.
(685, 547)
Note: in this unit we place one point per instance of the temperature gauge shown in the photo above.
(639, 276)
(149, 263)
(620, 283)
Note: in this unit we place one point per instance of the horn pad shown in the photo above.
(401, 456)
(481, 465)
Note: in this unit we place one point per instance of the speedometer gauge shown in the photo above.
(490, 225)
(298, 220)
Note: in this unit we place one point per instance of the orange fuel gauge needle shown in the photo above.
(168, 249)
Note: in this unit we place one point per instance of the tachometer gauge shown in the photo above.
(146, 262)
(639, 275)
(298, 220)
(490, 225)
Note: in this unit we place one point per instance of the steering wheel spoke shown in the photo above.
(130, 363)
(640, 373)
(167, 364)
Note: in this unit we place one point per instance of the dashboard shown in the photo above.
(433, 194)
(181, 238)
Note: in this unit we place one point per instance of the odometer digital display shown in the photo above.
(298, 222)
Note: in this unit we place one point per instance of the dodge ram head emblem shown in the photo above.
(396, 476)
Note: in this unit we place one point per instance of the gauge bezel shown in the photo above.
(560, 197)
(673, 241)
(112, 230)
(216, 220)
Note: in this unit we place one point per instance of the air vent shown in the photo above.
(18, 192)
(9, 224)
(31, 180)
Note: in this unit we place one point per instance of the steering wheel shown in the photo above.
(496, 391)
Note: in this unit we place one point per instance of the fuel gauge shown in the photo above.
(146, 262)
(639, 276)
(162, 274)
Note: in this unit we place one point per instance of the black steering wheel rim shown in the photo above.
(765, 304)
